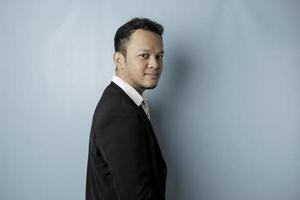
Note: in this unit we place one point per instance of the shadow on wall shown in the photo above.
(165, 115)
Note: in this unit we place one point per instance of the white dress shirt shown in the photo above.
(138, 99)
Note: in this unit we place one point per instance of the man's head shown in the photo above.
(139, 53)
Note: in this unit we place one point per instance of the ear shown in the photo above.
(118, 60)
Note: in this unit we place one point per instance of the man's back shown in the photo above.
(124, 161)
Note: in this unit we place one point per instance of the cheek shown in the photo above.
(161, 64)
(137, 69)
(140, 66)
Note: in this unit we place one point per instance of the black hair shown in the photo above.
(123, 34)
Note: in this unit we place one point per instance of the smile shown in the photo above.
(153, 75)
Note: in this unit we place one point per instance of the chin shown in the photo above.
(150, 86)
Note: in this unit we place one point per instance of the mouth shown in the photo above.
(152, 75)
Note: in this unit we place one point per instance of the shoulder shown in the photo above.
(117, 121)
(114, 106)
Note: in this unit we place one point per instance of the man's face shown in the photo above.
(143, 64)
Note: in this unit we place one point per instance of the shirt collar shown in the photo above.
(129, 90)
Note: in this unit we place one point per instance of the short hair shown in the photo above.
(123, 34)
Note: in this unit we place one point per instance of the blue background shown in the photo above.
(226, 110)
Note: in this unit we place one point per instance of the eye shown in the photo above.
(160, 56)
(144, 55)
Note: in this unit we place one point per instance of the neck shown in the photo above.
(139, 90)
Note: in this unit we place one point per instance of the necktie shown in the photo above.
(146, 108)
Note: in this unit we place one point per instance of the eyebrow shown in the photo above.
(146, 50)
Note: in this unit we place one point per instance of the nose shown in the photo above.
(153, 63)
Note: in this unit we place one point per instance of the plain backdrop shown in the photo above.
(226, 111)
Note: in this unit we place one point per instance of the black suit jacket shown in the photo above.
(125, 161)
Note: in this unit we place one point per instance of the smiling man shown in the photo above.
(125, 161)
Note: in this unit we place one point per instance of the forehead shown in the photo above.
(142, 39)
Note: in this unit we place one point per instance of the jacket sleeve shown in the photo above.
(122, 143)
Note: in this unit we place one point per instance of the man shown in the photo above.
(125, 161)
